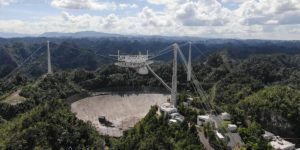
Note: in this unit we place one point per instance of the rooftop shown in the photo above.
(190, 99)
(172, 121)
(226, 116)
(179, 118)
(235, 140)
(268, 135)
(205, 117)
(281, 144)
(219, 135)
(168, 107)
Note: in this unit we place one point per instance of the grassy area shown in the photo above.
(14, 98)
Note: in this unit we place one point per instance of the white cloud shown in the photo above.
(206, 18)
(150, 18)
(195, 12)
(91, 4)
(147, 22)
(4, 2)
(232, 1)
(251, 18)
(269, 12)
(161, 2)
(249, 12)
(125, 6)
(110, 21)
(11, 25)
(203, 13)
(83, 4)
(147, 13)
(169, 4)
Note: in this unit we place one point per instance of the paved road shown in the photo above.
(204, 140)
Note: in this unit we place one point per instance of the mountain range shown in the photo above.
(83, 34)
(94, 34)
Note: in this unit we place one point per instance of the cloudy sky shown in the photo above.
(260, 19)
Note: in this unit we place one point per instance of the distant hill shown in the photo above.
(94, 34)
(13, 35)
(83, 34)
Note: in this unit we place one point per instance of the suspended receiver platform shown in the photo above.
(138, 62)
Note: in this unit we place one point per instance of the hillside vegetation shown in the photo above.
(48, 126)
(153, 132)
(276, 107)
(91, 53)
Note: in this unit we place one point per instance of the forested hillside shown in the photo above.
(153, 132)
(49, 126)
(91, 53)
(276, 107)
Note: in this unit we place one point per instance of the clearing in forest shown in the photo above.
(14, 98)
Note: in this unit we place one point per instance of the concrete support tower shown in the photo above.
(118, 55)
(174, 77)
(49, 58)
(189, 68)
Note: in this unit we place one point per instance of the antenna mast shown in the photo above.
(49, 58)
(189, 67)
(174, 77)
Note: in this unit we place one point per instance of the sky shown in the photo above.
(241, 19)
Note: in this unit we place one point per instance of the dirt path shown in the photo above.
(123, 111)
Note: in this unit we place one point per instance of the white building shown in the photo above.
(188, 101)
(232, 127)
(268, 136)
(234, 141)
(173, 115)
(180, 118)
(280, 144)
(226, 116)
(201, 119)
(172, 121)
(220, 136)
(177, 116)
(167, 108)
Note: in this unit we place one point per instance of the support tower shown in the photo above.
(189, 67)
(49, 58)
(174, 76)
